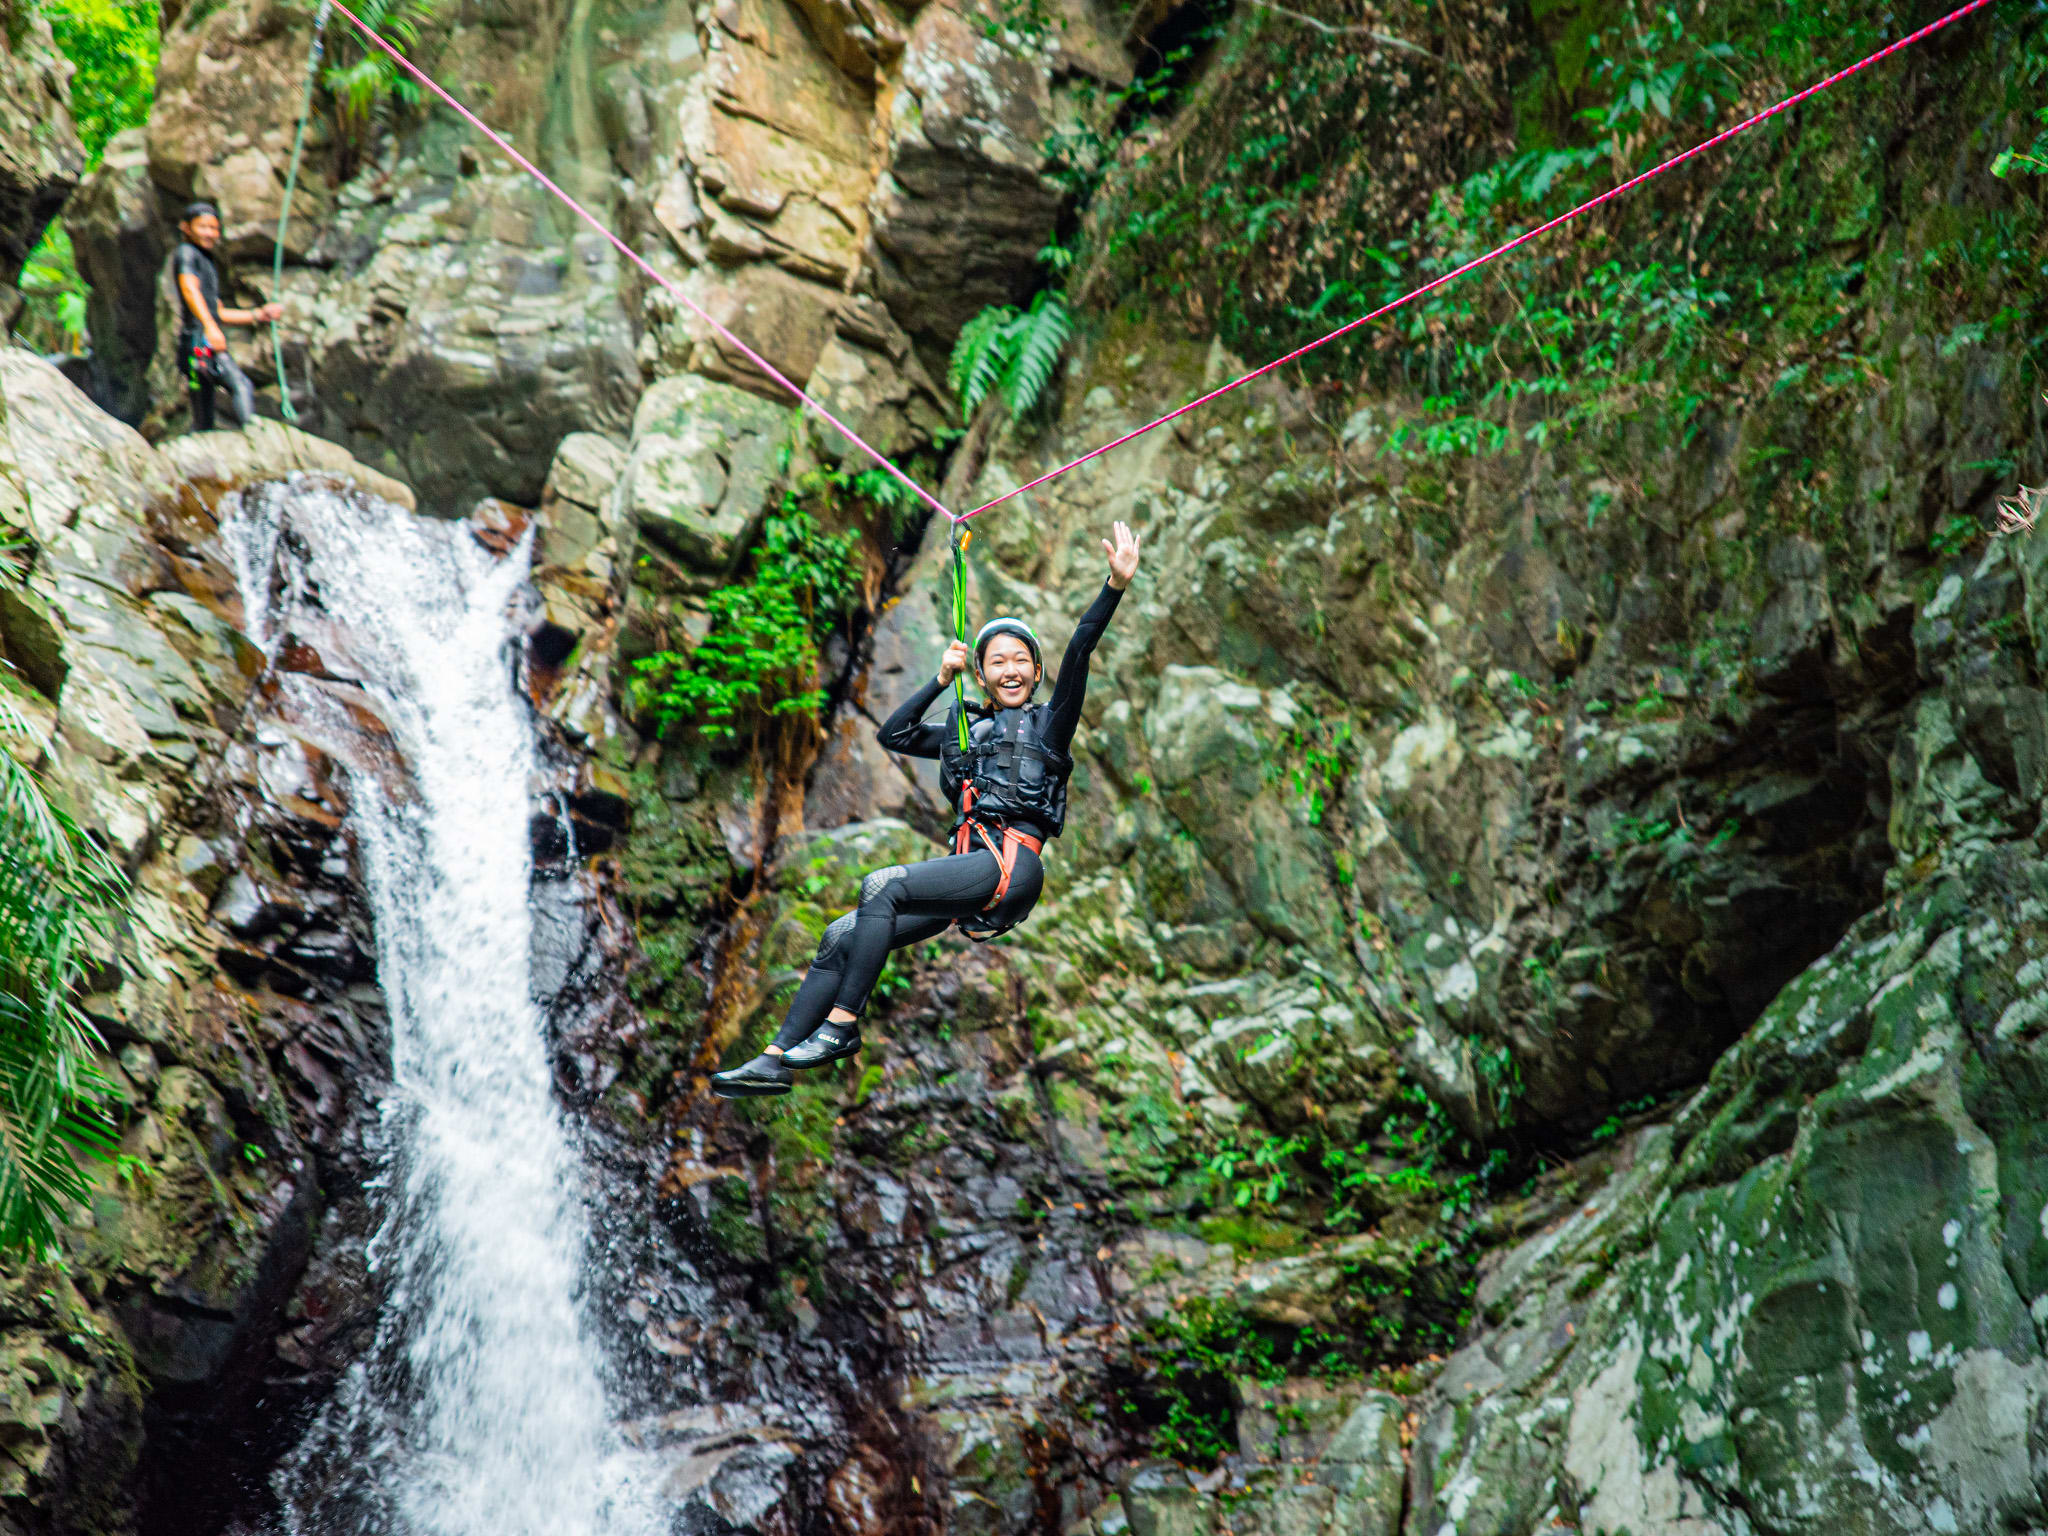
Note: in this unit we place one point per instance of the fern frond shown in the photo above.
(979, 356)
(1040, 336)
(356, 86)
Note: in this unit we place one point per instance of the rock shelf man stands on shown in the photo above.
(201, 341)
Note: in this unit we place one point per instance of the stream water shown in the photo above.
(481, 1409)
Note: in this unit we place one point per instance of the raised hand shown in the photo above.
(1123, 556)
(954, 662)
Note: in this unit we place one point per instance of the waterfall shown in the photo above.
(480, 1410)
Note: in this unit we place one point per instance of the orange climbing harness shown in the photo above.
(1005, 850)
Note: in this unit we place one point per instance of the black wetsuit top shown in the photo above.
(190, 261)
(908, 732)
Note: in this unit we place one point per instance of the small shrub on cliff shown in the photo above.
(56, 295)
(364, 81)
(760, 660)
(57, 890)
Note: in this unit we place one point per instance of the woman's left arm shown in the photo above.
(1072, 687)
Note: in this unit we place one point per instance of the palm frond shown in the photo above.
(58, 890)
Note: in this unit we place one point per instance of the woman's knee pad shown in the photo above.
(832, 948)
(875, 887)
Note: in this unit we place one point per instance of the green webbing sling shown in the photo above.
(960, 538)
(284, 213)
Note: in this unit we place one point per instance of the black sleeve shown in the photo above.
(1064, 715)
(185, 263)
(907, 731)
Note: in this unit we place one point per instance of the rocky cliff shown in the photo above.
(244, 1038)
(40, 156)
(1535, 1024)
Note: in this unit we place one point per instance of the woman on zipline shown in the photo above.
(1010, 788)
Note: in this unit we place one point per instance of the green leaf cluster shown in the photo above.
(1011, 350)
(1288, 219)
(113, 44)
(58, 895)
(1178, 1378)
(760, 659)
(1414, 1157)
(55, 293)
(365, 80)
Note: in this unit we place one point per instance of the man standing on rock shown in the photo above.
(201, 341)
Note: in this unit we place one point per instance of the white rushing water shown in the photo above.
(481, 1409)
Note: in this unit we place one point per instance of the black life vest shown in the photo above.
(1016, 775)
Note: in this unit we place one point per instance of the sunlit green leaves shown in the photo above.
(364, 78)
(113, 43)
(55, 294)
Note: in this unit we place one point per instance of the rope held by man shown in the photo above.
(284, 212)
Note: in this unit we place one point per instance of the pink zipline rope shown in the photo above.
(634, 256)
(1385, 309)
(1500, 250)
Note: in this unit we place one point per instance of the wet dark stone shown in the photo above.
(549, 837)
(250, 911)
(549, 645)
(246, 969)
(599, 806)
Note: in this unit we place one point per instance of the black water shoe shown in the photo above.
(830, 1042)
(759, 1078)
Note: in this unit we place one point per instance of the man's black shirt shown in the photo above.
(191, 261)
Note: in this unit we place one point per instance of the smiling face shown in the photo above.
(1008, 672)
(203, 231)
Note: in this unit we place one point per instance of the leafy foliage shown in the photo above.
(364, 80)
(760, 659)
(1302, 214)
(1016, 352)
(57, 894)
(55, 293)
(113, 43)
(1416, 1157)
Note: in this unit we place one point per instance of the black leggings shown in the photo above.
(219, 371)
(902, 905)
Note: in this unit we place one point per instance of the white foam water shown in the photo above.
(481, 1409)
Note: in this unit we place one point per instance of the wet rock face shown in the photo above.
(120, 235)
(216, 1277)
(1829, 1303)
